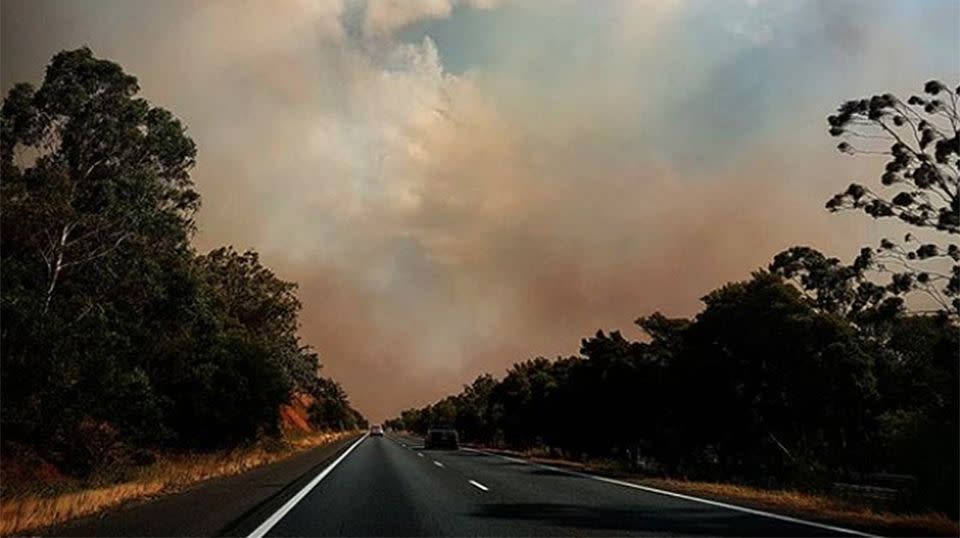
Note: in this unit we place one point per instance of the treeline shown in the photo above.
(760, 387)
(116, 334)
(810, 372)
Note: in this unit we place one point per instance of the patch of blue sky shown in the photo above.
(808, 62)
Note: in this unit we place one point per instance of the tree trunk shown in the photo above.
(57, 266)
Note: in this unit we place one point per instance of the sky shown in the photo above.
(458, 185)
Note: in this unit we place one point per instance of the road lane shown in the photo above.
(384, 488)
(281, 512)
(582, 505)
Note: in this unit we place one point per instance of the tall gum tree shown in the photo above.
(87, 166)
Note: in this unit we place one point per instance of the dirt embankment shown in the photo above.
(295, 416)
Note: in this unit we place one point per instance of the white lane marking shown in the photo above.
(478, 485)
(401, 443)
(265, 527)
(437, 463)
(719, 504)
(508, 458)
(420, 454)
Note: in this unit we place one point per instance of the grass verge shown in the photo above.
(801, 504)
(837, 511)
(28, 509)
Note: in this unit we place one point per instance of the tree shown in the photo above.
(474, 414)
(919, 378)
(331, 409)
(614, 378)
(666, 336)
(88, 166)
(112, 326)
(523, 397)
(232, 392)
(96, 217)
(255, 300)
(787, 387)
(921, 186)
(833, 287)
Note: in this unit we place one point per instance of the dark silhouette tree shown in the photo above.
(113, 328)
(809, 373)
(765, 385)
(921, 138)
(834, 287)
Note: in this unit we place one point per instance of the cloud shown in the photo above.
(383, 17)
(584, 171)
(759, 35)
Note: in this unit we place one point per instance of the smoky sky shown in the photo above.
(457, 185)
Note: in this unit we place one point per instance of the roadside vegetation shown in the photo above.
(40, 504)
(811, 375)
(121, 345)
(848, 512)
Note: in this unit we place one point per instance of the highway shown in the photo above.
(391, 486)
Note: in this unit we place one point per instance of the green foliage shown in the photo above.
(331, 408)
(262, 306)
(115, 333)
(233, 395)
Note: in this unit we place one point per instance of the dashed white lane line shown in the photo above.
(437, 463)
(420, 454)
(738, 508)
(478, 485)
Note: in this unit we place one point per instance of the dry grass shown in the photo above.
(806, 504)
(24, 512)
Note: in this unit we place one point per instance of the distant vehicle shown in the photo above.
(442, 438)
(376, 431)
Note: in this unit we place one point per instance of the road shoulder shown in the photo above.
(220, 506)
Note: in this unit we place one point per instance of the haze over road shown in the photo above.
(391, 486)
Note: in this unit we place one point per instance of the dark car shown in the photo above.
(442, 438)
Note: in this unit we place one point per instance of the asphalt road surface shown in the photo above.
(391, 486)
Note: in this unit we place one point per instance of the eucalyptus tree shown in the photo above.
(920, 138)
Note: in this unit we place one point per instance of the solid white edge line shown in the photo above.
(687, 497)
(478, 485)
(265, 527)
